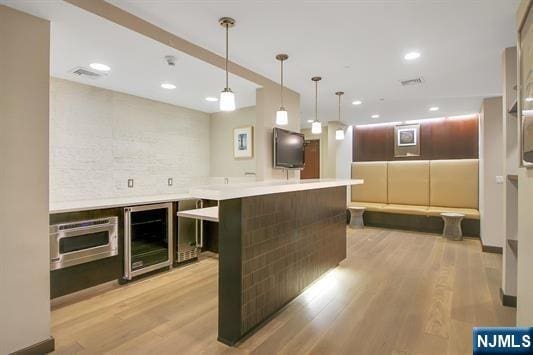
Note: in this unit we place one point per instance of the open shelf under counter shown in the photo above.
(206, 214)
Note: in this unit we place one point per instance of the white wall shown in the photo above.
(267, 103)
(24, 241)
(101, 138)
(222, 162)
(335, 155)
(491, 166)
(344, 153)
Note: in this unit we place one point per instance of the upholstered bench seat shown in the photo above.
(406, 209)
(469, 213)
(416, 189)
(369, 206)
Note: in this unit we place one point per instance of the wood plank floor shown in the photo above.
(396, 293)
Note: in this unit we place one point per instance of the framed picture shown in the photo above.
(406, 136)
(407, 140)
(243, 142)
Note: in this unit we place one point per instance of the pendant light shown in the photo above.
(316, 126)
(282, 117)
(339, 132)
(227, 97)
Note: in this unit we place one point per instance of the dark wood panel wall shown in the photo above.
(439, 139)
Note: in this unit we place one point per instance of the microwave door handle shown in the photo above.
(81, 231)
(88, 229)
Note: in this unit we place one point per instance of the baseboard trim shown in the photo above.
(43, 347)
(491, 249)
(507, 300)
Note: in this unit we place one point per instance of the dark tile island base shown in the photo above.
(271, 247)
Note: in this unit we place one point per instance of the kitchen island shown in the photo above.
(275, 239)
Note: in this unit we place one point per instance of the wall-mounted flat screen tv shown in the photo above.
(288, 149)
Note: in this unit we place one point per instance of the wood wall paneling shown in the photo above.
(440, 139)
(272, 247)
(312, 160)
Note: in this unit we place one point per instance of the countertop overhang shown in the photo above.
(231, 191)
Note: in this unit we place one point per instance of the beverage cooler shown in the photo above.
(148, 241)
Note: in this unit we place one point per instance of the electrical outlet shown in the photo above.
(170, 181)
(499, 179)
(130, 183)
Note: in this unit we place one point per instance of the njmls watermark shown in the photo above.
(502, 340)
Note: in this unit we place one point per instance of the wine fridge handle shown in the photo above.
(199, 229)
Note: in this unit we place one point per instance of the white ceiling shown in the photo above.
(357, 46)
(79, 38)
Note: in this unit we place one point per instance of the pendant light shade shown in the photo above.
(227, 100)
(227, 97)
(282, 118)
(316, 126)
(339, 132)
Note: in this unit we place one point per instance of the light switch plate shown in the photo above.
(170, 181)
(499, 179)
(130, 183)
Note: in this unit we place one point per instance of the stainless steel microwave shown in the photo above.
(83, 241)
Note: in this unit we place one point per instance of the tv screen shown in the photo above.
(288, 149)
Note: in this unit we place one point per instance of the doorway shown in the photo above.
(312, 160)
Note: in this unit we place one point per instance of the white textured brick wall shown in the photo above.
(101, 138)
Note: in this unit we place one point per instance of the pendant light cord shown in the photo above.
(227, 55)
(281, 88)
(340, 109)
(316, 101)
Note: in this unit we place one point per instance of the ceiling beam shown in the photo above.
(125, 19)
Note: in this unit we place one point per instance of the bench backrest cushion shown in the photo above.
(374, 188)
(454, 183)
(408, 182)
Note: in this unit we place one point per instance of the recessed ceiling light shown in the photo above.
(412, 56)
(357, 102)
(211, 99)
(529, 99)
(375, 116)
(434, 108)
(168, 86)
(100, 67)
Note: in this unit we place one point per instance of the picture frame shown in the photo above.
(406, 136)
(407, 140)
(243, 142)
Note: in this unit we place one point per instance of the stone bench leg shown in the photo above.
(356, 218)
(452, 228)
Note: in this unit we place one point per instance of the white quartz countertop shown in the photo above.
(85, 205)
(230, 191)
(209, 192)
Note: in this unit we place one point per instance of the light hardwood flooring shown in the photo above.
(396, 293)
